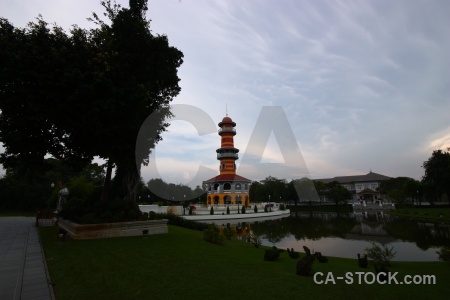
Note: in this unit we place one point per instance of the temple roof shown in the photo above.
(356, 178)
(227, 177)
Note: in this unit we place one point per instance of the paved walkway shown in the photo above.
(22, 270)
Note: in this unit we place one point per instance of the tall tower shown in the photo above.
(227, 187)
(227, 154)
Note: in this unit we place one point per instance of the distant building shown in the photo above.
(362, 187)
(227, 187)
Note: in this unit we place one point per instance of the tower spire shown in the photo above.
(226, 109)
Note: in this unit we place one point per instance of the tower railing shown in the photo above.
(227, 155)
(225, 129)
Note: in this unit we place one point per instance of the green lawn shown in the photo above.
(437, 214)
(180, 265)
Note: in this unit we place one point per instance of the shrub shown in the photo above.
(212, 235)
(444, 253)
(88, 219)
(243, 209)
(320, 258)
(228, 210)
(304, 266)
(182, 222)
(80, 187)
(211, 212)
(255, 240)
(282, 207)
(292, 253)
(190, 210)
(228, 233)
(152, 215)
(255, 209)
(381, 255)
(271, 254)
(265, 208)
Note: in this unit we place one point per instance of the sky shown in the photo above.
(364, 85)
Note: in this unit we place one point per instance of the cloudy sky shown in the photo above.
(364, 85)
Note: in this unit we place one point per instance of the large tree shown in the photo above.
(400, 189)
(337, 193)
(85, 94)
(437, 173)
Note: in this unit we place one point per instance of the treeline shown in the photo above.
(158, 191)
(28, 190)
(434, 186)
(273, 189)
(39, 190)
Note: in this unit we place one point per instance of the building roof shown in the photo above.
(227, 120)
(227, 177)
(356, 178)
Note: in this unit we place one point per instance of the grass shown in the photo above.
(426, 213)
(181, 265)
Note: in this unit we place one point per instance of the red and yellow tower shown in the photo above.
(227, 187)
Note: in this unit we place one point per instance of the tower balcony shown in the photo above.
(227, 130)
(227, 155)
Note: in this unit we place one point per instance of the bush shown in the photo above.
(228, 210)
(243, 209)
(292, 253)
(304, 266)
(211, 212)
(228, 233)
(212, 235)
(255, 209)
(152, 215)
(444, 253)
(282, 207)
(182, 222)
(80, 187)
(320, 258)
(380, 255)
(255, 240)
(272, 254)
(265, 208)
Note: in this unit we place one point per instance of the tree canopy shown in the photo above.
(401, 188)
(336, 192)
(85, 94)
(437, 173)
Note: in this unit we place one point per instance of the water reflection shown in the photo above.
(346, 234)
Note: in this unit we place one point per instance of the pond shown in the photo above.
(347, 234)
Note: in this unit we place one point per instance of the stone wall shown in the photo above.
(108, 230)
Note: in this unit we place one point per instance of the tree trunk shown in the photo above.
(107, 183)
(125, 181)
